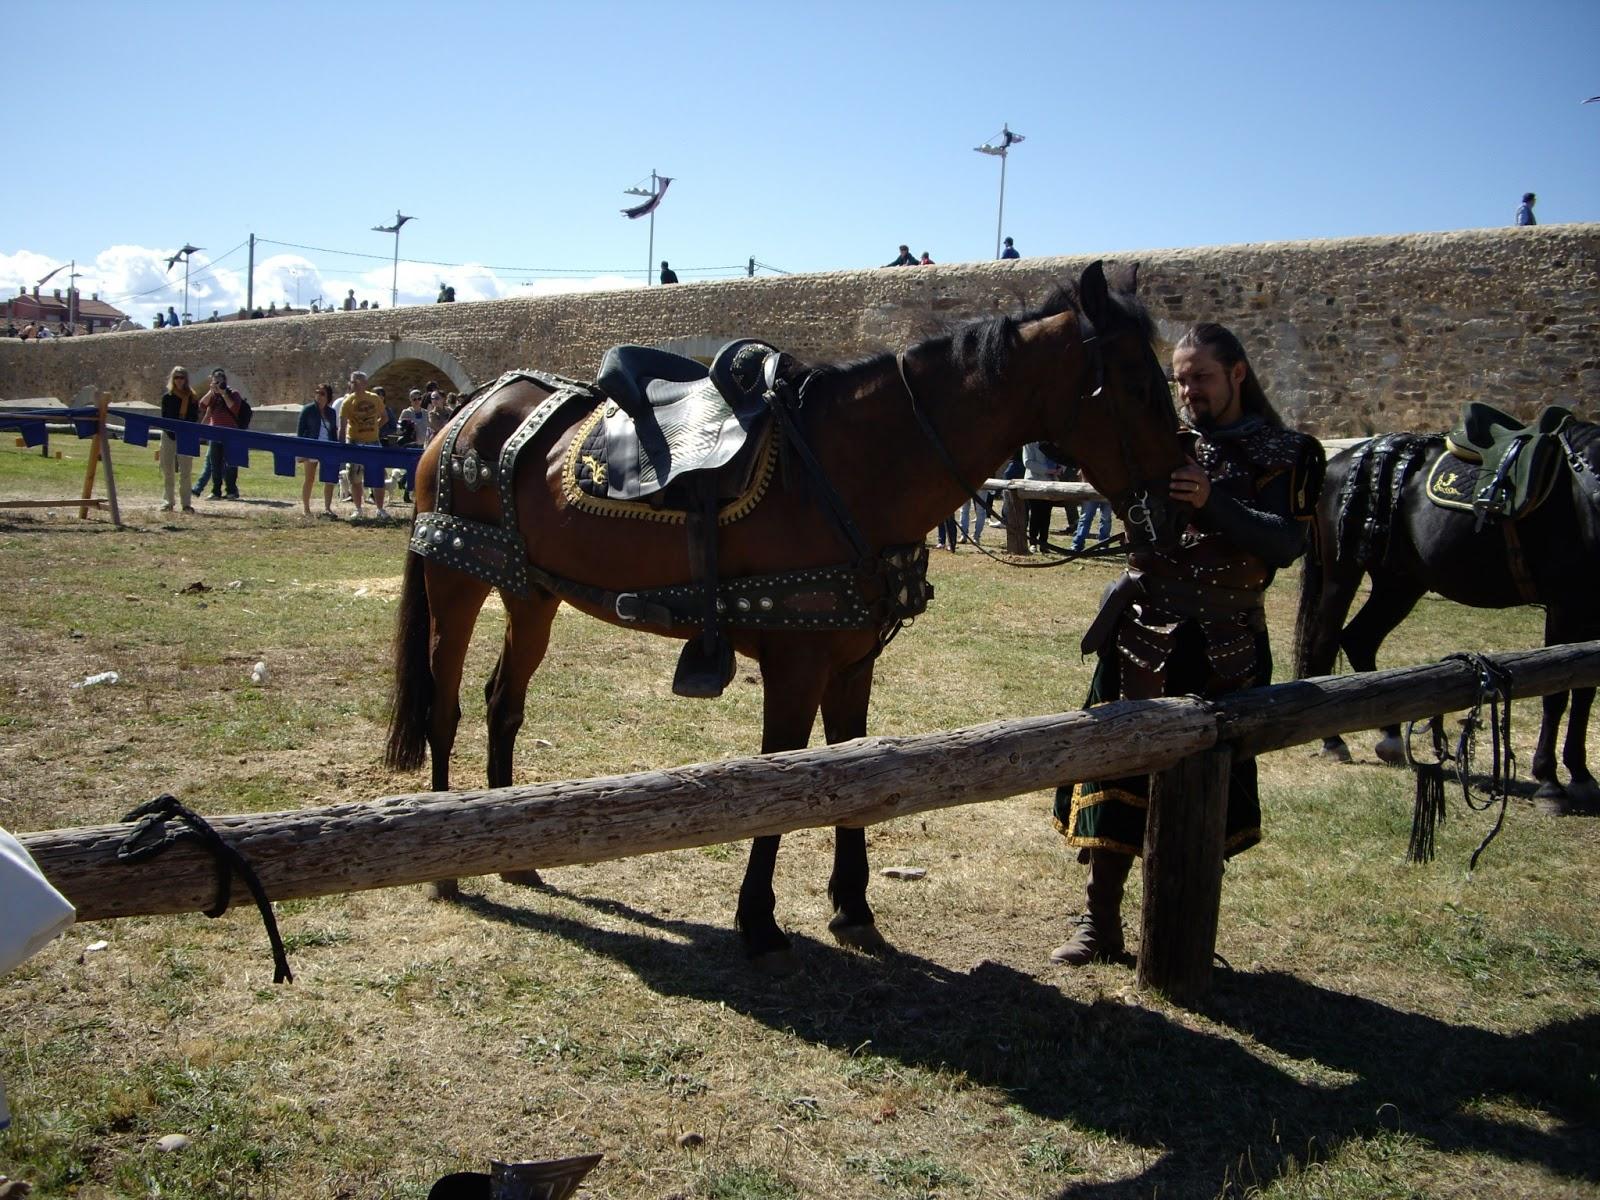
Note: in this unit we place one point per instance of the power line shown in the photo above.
(457, 266)
(171, 285)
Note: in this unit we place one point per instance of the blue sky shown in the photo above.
(814, 136)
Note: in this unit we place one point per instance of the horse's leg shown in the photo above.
(1582, 790)
(792, 685)
(527, 638)
(454, 601)
(1392, 599)
(1321, 621)
(1550, 797)
(844, 716)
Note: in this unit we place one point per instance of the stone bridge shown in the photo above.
(1350, 336)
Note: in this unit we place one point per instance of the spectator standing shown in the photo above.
(318, 422)
(925, 262)
(350, 301)
(904, 259)
(1010, 251)
(438, 416)
(668, 275)
(1086, 520)
(1037, 464)
(172, 315)
(414, 421)
(178, 403)
(220, 408)
(1525, 212)
(361, 420)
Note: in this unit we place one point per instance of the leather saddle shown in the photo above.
(669, 416)
(670, 422)
(1497, 466)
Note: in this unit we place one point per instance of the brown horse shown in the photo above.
(1080, 372)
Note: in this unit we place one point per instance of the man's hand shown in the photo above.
(1190, 484)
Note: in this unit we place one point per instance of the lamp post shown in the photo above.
(658, 189)
(394, 280)
(186, 254)
(1007, 140)
(72, 290)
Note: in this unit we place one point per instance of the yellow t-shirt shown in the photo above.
(363, 415)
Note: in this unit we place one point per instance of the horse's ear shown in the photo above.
(1093, 292)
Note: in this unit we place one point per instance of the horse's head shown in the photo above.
(1115, 412)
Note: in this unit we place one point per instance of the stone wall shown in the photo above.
(1350, 336)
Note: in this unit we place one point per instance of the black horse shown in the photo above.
(1375, 519)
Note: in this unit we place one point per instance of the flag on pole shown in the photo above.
(649, 206)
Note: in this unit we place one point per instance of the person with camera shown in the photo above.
(220, 408)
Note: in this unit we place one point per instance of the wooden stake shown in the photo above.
(94, 462)
(1183, 841)
(103, 440)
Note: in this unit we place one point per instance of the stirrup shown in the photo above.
(703, 674)
(1087, 945)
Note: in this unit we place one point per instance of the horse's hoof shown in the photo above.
(1552, 800)
(1391, 750)
(442, 889)
(775, 964)
(1335, 749)
(864, 938)
(1583, 796)
(528, 878)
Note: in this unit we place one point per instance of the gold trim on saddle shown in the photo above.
(643, 510)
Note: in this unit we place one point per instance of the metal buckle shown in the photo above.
(629, 607)
(1139, 516)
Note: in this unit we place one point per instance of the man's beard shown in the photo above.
(1209, 423)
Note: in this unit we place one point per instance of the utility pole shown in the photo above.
(394, 281)
(250, 279)
(750, 267)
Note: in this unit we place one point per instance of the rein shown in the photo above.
(1138, 511)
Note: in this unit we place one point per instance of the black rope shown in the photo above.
(1494, 689)
(152, 836)
(1494, 686)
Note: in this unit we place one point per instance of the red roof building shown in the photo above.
(55, 310)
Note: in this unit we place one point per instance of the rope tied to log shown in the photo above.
(152, 836)
(1494, 689)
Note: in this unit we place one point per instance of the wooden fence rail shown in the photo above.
(414, 838)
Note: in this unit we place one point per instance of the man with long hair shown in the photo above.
(1190, 619)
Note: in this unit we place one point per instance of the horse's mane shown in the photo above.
(980, 347)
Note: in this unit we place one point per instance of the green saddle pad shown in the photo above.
(1497, 466)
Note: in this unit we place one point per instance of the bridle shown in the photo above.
(1144, 505)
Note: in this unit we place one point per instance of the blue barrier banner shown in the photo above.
(285, 449)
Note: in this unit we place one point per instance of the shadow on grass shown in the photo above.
(1215, 1118)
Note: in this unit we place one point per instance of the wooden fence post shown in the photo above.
(1183, 842)
(1016, 523)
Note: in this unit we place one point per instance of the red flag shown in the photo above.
(649, 206)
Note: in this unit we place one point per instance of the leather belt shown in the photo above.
(1206, 601)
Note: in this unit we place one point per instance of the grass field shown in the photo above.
(1382, 1030)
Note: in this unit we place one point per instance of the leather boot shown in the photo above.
(1097, 934)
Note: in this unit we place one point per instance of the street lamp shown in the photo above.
(658, 189)
(186, 254)
(72, 289)
(394, 282)
(1007, 140)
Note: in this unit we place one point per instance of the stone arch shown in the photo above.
(405, 363)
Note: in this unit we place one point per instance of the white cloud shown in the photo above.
(137, 280)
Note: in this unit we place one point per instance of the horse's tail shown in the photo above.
(411, 700)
